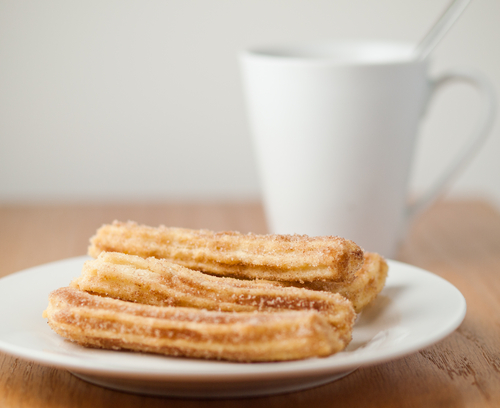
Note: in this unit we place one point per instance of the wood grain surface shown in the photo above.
(459, 241)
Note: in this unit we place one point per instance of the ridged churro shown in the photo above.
(159, 282)
(368, 282)
(288, 258)
(96, 321)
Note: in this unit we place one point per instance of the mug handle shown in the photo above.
(479, 134)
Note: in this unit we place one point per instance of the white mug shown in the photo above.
(334, 128)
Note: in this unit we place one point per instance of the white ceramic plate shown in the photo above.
(415, 310)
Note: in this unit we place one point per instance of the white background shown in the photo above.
(105, 100)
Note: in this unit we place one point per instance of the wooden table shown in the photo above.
(459, 241)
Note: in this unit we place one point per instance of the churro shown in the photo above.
(368, 282)
(159, 282)
(288, 258)
(102, 322)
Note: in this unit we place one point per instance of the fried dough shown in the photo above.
(288, 258)
(95, 321)
(162, 283)
(368, 282)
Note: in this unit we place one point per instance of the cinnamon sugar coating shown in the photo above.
(288, 258)
(368, 282)
(95, 321)
(159, 282)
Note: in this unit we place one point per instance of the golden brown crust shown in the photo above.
(159, 282)
(96, 321)
(368, 282)
(289, 258)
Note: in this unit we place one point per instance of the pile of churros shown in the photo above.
(216, 295)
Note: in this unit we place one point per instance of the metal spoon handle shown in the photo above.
(440, 28)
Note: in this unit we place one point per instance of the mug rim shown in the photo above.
(351, 52)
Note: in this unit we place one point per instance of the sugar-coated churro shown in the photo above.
(368, 282)
(159, 282)
(288, 258)
(95, 321)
